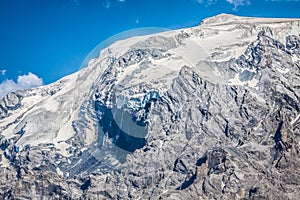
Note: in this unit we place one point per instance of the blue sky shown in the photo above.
(44, 40)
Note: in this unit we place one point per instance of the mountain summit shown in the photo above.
(208, 112)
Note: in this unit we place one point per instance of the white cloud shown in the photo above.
(207, 2)
(283, 0)
(107, 3)
(237, 3)
(25, 81)
(29, 80)
(3, 72)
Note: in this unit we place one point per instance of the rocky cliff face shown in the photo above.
(210, 112)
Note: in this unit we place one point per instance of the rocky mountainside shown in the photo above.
(209, 112)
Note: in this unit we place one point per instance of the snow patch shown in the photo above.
(3, 161)
(283, 71)
(59, 172)
(235, 81)
(295, 120)
(295, 58)
(252, 83)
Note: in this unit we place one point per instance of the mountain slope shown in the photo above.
(206, 112)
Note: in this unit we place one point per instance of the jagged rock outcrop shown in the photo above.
(179, 115)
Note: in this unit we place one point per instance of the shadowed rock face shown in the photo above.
(120, 138)
(212, 129)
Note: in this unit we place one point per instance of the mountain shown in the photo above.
(208, 112)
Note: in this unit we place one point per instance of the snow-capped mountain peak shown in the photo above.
(214, 106)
